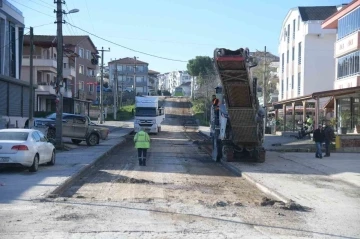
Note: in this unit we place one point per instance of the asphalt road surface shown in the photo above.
(181, 193)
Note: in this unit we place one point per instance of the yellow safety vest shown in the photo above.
(142, 140)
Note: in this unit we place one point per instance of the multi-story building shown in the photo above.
(164, 81)
(130, 72)
(153, 82)
(306, 52)
(347, 64)
(14, 93)
(86, 63)
(45, 73)
(177, 78)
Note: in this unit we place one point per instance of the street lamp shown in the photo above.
(75, 10)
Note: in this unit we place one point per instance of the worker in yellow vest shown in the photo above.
(142, 144)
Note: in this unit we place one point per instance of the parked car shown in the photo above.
(25, 147)
(41, 124)
(79, 128)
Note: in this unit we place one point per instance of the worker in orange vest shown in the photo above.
(215, 103)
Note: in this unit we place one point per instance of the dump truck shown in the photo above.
(237, 121)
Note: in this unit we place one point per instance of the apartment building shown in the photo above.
(132, 73)
(177, 78)
(153, 82)
(306, 52)
(86, 64)
(14, 93)
(45, 73)
(347, 64)
(164, 83)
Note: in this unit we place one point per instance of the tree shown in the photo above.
(259, 70)
(200, 67)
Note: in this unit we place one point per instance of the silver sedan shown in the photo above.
(26, 147)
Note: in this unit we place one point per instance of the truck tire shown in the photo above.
(76, 141)
(92, 140)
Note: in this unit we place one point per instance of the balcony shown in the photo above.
(347, 44)
(69, 72)
(49, 90)
(42, 64)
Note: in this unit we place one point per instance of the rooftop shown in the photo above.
(316, 13)
(128, 60)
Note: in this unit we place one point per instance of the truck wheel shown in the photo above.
(92, 140)
(76, 141)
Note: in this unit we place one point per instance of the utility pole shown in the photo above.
(31, 90)
(59, 78)
(115, 90)
(134, 78)
(264, 91)
(122, 90)
(101, 85)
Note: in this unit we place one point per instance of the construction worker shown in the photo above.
(215, 104)
(142, 144)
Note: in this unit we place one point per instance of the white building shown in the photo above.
(306, 52)
(164, 81)
(14, 93)
(177, 78)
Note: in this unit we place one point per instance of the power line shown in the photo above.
(41, 4)
(144, 53)
(89, 15)
(41, 25)
(70, 18)
(34, 9)
(46, 3)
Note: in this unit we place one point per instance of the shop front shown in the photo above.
(348, 113)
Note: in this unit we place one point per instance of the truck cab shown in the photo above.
(148, 114)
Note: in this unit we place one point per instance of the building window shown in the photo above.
(81, 52)
(140, 68)
(284, 33)
(81, 85)
(119, 67)
(293, 54)
(81, 69)
(139, 79)
(348, 65)
(287, 56)
(129, 68)
(287, 84)
(298, 23)
(282, 63)
(294, 27)
(299, 56)
(299, 83)
(12, 47)
(282, 89)
(91, 72)
(88, 54)
(288, 34)
(349, 23)
(292, 82)
(91, 87)
(65, 65)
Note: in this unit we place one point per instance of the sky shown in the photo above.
(176, 29)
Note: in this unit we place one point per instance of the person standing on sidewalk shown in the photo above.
(142, 144)
(319, 138)
(329, 136)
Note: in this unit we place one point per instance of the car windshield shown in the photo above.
(51, 116)
(14, 136)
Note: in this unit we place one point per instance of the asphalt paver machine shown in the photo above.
(237, 122)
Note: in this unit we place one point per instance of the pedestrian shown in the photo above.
(319, 138)
(142, 144)
(329, 136)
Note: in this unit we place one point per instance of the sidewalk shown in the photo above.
(279, 143)
(330, 186)
(19, 186)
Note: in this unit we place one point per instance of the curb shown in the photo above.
(260, 186)
(61, 188)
